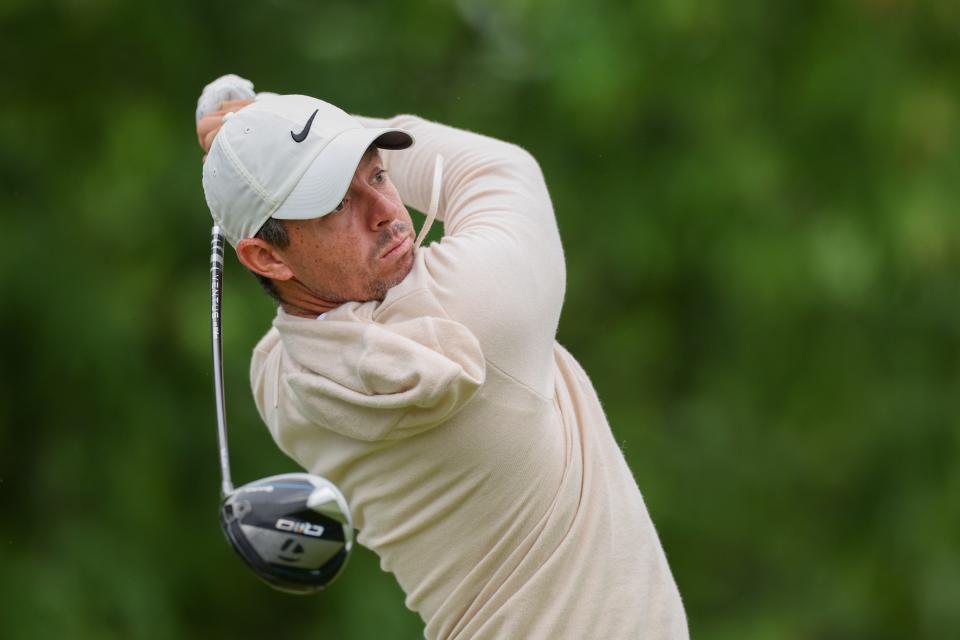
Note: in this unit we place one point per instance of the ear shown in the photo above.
(262, 257)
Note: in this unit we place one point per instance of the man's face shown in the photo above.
(361, 249)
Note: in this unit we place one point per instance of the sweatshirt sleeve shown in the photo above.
(366, 380)
(474, 164)
(499, 267)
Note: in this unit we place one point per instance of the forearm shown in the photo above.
(479, 172)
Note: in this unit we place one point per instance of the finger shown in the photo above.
(209, 123)
(208, 139)
(234, 105)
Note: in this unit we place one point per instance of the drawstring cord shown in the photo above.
(434, 200)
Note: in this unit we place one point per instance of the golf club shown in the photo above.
(294, 530)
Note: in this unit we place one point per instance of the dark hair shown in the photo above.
(272, 232)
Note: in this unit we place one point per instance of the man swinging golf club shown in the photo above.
(426, 382)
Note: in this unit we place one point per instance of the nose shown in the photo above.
(381, 211)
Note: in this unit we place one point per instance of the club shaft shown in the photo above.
(216, 287)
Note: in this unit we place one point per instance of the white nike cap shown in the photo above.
(288, 157)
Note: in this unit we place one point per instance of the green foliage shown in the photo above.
(758, 204)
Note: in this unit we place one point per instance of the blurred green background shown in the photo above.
(758, 202)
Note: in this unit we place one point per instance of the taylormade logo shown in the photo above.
(303, 528)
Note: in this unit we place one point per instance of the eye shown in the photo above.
(340, 206)
(380, 176)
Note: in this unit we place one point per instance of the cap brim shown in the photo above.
(326, 180)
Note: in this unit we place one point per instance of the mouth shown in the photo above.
(398, 247)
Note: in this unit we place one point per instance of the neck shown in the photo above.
(304, 312)
(298, 300)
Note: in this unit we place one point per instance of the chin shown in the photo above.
(380, 287)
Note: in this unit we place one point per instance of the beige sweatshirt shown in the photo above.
(472, 448)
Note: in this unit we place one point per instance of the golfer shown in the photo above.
(426, 381)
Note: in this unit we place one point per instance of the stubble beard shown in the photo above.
(379, 287)
(376, 288)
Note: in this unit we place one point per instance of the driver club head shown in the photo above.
(294, 530)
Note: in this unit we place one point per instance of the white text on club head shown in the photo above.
(303, 528)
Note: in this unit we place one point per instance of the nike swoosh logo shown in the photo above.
(300, 137)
